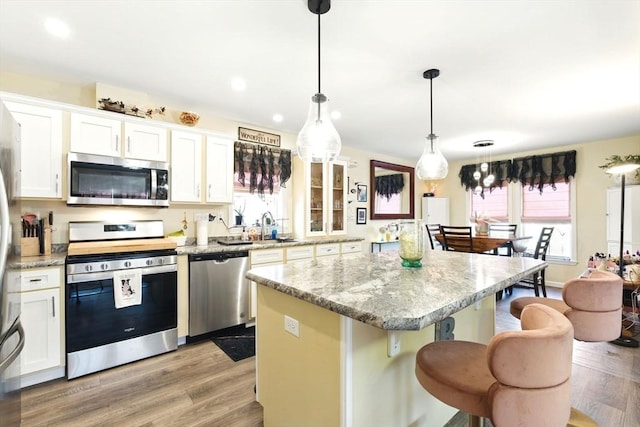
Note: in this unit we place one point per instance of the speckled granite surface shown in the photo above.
(377, 290)
(58, 258)
(263, 244)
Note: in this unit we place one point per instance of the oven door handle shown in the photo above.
(108, 275)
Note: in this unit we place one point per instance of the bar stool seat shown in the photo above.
(521, 378)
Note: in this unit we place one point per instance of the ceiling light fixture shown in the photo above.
(485, 166)
(318, 140)
(432, 164)
(277, 118)
(238, 84)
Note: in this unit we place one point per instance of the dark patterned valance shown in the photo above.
(534, 171)
(499, 168)
(545, 169)
(388, 185)
(265, 168)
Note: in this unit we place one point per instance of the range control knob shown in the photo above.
(160, 261)
(104, 266)
(149, 262)
(127, 264)
(88, 268)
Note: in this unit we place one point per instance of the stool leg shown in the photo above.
(476, 421)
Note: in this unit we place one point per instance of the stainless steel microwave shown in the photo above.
(103, 180)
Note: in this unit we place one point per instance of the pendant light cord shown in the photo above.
(319, 52)
(431, 111)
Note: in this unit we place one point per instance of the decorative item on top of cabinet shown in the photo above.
(104, 136)
(41, 150)
(189, 118)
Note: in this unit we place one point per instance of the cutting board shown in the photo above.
(109, 247)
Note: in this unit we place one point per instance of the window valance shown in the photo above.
(534, 171)
(544, 169)
(263, 168)
(500, 169)
(388, 185)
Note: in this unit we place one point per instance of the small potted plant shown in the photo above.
(239, 213)
(615, 160)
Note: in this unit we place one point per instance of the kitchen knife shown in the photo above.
(50, 218)
(40, 234)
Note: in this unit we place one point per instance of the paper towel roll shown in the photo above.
(202, 238)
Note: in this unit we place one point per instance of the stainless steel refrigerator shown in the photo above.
(12, 336)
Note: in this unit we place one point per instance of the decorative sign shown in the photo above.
(251, 135)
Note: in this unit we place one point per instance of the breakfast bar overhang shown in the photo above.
(351, 314)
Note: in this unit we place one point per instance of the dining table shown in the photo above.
(493, 240)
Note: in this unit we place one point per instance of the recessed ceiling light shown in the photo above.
(238, 84)
(57, 28)
(335, 115)
(277, 118)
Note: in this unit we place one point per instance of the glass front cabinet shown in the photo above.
(326, 198)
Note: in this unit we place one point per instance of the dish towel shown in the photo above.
(127, 287)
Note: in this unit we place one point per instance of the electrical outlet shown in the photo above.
(291, 325)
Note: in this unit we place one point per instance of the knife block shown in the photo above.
(29, 246)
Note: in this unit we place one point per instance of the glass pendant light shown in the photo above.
(318, 140)
(432, 164)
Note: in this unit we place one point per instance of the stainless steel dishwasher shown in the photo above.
(218, 291)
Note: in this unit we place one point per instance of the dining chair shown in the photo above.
(432, 230)
(456, 238)
(507, 229)
(521, 378)
(537, 280)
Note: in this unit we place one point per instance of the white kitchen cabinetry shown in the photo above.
(299, 254)
(631, 240)
(219, 170)
(95, 135)
(325, 199)
(328, 250)
(38, 293)
(145, 142)
(104, 136)
(261, 258)
(435, 210)
(186, 167)
(41, 150)
(350, 249)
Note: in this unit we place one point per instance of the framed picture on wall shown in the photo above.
(361, 190)
(361, 215)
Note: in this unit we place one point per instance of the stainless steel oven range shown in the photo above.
(99, 335)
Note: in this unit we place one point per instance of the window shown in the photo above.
(254, 206)
(552, 208)
(494, 205)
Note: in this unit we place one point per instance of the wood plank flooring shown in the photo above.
(198, 385)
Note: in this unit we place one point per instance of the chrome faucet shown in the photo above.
(273, 222)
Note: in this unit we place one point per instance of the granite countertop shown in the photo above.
(214, 247)
(377, 290)
(58, 258)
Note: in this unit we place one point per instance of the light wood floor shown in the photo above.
(198, 385)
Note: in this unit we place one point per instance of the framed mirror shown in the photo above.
(392, 190)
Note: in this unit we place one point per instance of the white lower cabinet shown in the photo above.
(299, 254)
(328, 250)
(37, 293)
(350, 249)
(261, 258)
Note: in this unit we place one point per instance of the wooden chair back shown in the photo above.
(432, 230)
(456, 238)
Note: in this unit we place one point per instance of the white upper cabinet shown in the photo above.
(186, 167)
(145, 142)
(95, 135)
(41, 150)
(103, 136)
(219, 170)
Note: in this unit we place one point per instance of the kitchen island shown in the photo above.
(359, 323)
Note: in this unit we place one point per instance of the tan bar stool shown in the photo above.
(509, 380)
(593, 304)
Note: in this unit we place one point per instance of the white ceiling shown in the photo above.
(527, 74)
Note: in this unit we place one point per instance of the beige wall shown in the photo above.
(591, 184)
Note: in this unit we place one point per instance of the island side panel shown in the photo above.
(298, 377)
(384, 390)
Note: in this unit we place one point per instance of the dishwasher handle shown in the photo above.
(219, 257)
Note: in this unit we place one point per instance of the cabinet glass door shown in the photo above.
(337, 197)
(316, 198)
